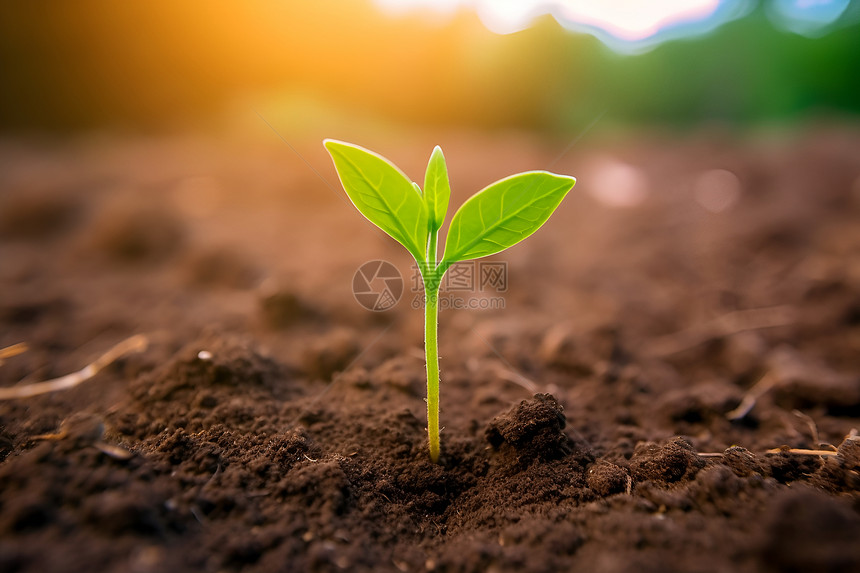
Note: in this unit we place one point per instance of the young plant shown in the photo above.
(495, 218)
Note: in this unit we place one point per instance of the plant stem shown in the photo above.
(431, 351)
(432, 283)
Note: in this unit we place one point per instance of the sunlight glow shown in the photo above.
(633, 20)
(635, 26)
(618, 22)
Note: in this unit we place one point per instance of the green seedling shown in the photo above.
(497, 217)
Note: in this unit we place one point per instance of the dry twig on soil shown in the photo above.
(748, 402)
(802, 452)
(137, 343)
(720, 327)
(13, 350)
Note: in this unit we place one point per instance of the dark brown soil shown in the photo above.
(275, 425)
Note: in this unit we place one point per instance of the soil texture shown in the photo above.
(673, 383)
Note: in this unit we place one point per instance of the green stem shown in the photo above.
(431, 350)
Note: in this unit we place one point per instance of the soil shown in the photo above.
(660, 335)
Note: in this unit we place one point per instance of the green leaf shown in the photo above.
(383, 194)
(504, 214)
(437, 189)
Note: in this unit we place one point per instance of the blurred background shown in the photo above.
(161, 162)
(539, 65)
